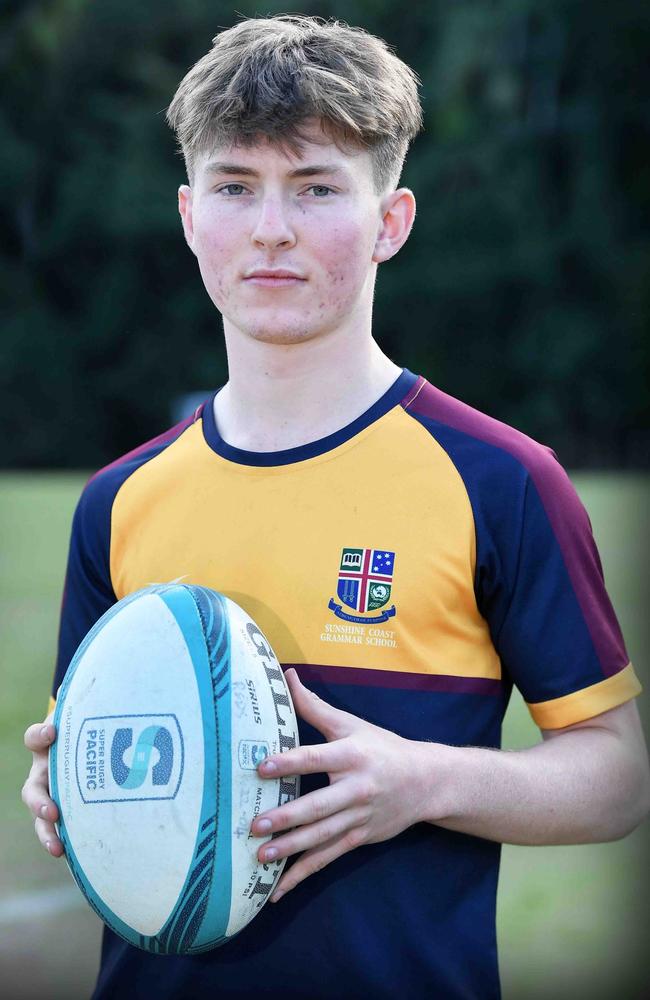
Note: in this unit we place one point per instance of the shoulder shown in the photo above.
(102, 487)
(476, 438)
(515, 484)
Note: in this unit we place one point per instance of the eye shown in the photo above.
(320, 188)
(232, 194)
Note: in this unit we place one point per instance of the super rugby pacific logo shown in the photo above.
(152, 738)
(125, 758)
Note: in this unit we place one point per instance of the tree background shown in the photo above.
(524, 288)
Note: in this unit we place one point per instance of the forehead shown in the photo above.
(317, 154)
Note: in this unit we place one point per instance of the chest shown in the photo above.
(366, 566)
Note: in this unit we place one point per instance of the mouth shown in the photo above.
(273, 279)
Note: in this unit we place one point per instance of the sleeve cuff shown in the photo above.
(588, 702)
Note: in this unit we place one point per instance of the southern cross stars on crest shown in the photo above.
(365, 583)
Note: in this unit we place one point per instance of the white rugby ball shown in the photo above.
(167, 707)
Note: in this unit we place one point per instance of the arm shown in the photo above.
(88, 594)
(586, 783)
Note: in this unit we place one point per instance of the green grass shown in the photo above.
(570, 919)
(35, 515)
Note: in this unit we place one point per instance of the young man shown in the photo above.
(409, 558)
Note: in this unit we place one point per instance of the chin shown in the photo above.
(282, 336)
(280, 333)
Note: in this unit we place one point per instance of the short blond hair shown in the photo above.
(265, 77)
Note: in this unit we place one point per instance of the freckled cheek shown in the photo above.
(347, 259)
(215, 257)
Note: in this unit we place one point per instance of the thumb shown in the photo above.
(330, 721)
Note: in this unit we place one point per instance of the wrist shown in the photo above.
(435, 767)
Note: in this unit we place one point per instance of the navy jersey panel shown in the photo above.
(88, 590)
(323, 941)
(522, 584)
(539, 580)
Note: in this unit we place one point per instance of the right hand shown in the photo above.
(36, 790)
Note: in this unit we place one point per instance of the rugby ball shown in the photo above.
(166, 709)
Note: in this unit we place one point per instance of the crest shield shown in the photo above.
(365, 578)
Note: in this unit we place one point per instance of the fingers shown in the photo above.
(312, 820)
(35, 795)
(308, 809)
(315, 860)
(40, 736)
(320, 759)
(313, 836)
(47, 835)
(35, 791)
(330, 721)
(45, 813)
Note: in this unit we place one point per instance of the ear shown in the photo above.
(185, 209)
(397, 217)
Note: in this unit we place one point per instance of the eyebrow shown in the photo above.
(235, 168)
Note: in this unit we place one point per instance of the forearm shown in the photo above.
(577, 788)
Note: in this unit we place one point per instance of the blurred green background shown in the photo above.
(524, 289)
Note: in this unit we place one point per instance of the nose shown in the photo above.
(272, 228)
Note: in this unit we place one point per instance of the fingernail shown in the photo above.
(264, 825)
(270, 853)
(276, 896)
(269, 766)
(45, 733)
(47, 844)
(43, 811)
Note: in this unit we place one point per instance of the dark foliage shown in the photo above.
(525, 286)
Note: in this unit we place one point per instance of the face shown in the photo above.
(315, 215)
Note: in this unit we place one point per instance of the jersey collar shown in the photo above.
(392, 397)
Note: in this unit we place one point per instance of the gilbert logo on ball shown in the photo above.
(168, 706)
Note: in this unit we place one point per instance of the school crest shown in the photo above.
(365, 583)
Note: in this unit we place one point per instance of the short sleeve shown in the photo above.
(538, 580)
(551, 618)
(88, 591)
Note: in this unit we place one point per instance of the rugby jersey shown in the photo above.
(412, 566)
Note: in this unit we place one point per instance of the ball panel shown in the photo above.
(208, 881)
(127, 724)
(263, 723)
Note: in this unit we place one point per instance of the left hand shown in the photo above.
(371, 796)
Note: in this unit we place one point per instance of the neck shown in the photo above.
(282, 396)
